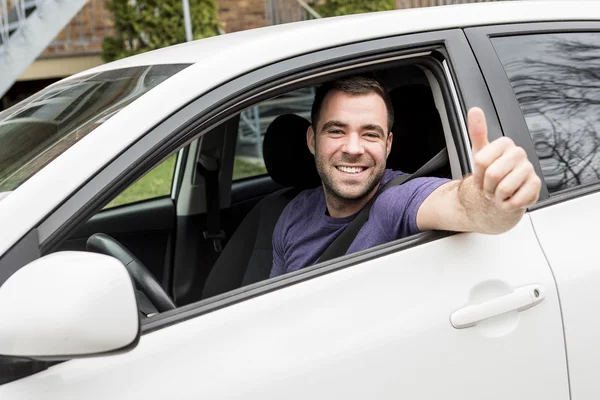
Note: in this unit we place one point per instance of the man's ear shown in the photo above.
(310, 139)
(390, 139)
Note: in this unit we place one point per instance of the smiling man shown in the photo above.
(350, 138)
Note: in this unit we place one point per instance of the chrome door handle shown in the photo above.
(520, 299)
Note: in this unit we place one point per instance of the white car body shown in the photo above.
(380, 329)
(219, 59)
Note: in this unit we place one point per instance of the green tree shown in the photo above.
(144, 25)
(333, 8)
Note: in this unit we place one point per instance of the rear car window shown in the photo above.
(40, 128)
(556, 78)
(254, 122)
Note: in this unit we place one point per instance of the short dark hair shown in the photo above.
(354, 85)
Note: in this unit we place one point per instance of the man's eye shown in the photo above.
(372, 135)
(335, 132)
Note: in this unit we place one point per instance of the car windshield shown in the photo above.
(40, 128)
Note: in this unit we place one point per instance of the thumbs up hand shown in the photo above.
(502, 172)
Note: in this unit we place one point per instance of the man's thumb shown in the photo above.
(477, 129)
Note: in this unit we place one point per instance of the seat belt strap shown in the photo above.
(342, 243)
(209, 169)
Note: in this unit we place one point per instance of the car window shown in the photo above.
(39, 129)
(254, 121)
(556, 78)
(156, 183)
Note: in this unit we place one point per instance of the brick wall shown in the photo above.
(85, 32)
(239, 15)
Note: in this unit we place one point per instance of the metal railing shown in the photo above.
(26, 29)
(400, 4)
(285, 11)
(282, 12)
(13, 14)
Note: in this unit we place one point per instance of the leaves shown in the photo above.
(144, 25)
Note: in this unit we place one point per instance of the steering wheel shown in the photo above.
(144, 280)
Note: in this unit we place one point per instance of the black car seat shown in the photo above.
(248, 256)
(418, 131)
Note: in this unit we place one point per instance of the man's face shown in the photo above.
(350, 144)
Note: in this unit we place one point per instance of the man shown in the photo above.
(350, 138)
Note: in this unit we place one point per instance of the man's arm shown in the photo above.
(491, 200)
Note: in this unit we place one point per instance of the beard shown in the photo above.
(345, 194)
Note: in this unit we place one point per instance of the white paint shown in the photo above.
(569, 236)
(379, 330)
(68, 303)
(222, 58)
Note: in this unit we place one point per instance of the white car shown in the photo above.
(179, 305)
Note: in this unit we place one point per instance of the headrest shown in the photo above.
(287, 158)
(418, 131)
(408, 95)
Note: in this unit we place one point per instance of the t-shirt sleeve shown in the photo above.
(401, 204)
(278, 267)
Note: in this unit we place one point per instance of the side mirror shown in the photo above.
(68, 304)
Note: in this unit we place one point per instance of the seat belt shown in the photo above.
(342, 243)
(209, 168)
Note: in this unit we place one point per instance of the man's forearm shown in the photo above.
(502, 170)
(482, 214)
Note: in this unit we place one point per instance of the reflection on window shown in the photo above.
(556, 78)
(39, 129)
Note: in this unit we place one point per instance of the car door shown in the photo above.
(375, 326)
(430, 316)
(547, 90)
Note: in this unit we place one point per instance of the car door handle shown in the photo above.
(520, 299)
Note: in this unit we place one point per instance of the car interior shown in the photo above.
(213, 234)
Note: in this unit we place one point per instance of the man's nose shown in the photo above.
(353, 145)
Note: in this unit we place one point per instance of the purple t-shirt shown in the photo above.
(305, 230)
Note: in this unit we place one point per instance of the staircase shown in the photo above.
(27, 27)
(284, 11)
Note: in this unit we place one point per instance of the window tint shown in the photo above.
(556, 78)
(255, 121)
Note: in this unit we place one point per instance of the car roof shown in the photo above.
(312, 35)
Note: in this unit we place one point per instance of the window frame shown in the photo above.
(463, 83)
(505, 100)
